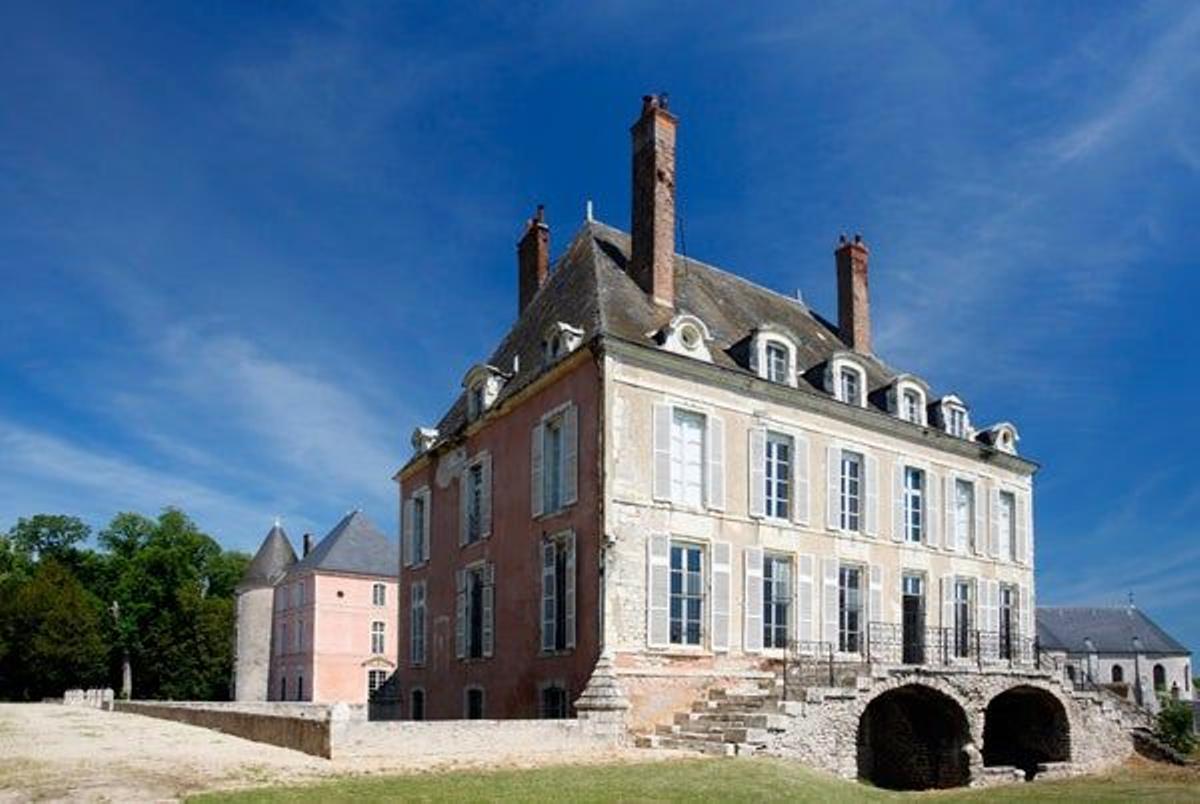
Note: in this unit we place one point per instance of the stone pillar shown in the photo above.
(602, 706)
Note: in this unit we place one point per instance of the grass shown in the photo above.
(709, 780)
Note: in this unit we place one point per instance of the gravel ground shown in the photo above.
(50, 752)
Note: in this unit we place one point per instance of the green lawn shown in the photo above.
(708, 780)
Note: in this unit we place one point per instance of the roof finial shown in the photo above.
(277, 521)
(1131, 599)
(588, 213)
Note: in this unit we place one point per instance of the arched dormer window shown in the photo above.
(953, 417)
(560, 339)
(686, 335)
(907, 399)
(773, 355)
(423, 438)
(483, 384)
(1002, 436)
(846, 379)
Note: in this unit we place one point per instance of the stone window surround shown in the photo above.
(688, 336)
(907, 383)
(426, 495)
(844, 361)
(705, 646)
(771, 335)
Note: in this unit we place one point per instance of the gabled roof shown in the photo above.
(1111, 630)
(271, 561)
(354, 545)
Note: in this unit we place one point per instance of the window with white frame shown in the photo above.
(416, 547)
(474, 611)
(850, 609)
(851, 495)
(553, 434)
(687, 593)
(687, 457)
(914, 505)
(1006, 521)
(474, 491)
(558, 592)
(377, 632)
(964, 596)
(554, 461)
(777, 600)
(956, 421)
(778, 473)
(778, 360)
(378, 595)
(416, 614)
(850, 385)
(964, 515)
(375, 679)
(912, 407)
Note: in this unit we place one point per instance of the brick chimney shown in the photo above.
(308, 544)
(533, 258)
(854, 306)
(652, 263)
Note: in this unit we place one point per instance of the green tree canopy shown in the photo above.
(49, 535)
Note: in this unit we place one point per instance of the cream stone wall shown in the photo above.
(631, 513)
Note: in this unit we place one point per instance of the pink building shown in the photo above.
(334, 622)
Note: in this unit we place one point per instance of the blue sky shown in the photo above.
(245, 249)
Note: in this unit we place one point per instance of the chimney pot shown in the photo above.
(533, 258)
(854, 308)
(308, 544)
(652, 261)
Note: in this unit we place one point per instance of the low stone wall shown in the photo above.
(295, 726)
(92, 698)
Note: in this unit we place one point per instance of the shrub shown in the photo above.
(1175, 725)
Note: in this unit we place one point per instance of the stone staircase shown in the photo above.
(727, 722)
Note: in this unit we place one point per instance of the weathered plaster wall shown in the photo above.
(252, 645)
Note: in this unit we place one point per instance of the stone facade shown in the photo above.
(252, 643)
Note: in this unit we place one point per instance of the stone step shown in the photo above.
(699, 746)
(749, 736)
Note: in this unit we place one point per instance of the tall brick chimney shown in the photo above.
(533, 258)
(308, 544)
(652, 263)
(854, 306)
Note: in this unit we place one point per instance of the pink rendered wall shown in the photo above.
(288, 660)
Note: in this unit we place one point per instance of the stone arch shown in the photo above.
(914, 737)
(1026, 726)
(1118, 674)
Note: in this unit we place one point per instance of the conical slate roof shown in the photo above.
(271, 561)
(354, 545)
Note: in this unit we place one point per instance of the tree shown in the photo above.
(1174, 725)
(49, 535)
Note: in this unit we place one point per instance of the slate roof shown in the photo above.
(589, 288)
(271, 561)
(355, 546)
(1111, 630)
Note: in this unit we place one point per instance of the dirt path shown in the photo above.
(53, 752)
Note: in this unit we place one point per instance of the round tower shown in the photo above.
(255, 599)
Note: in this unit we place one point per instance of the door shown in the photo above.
(913, 619)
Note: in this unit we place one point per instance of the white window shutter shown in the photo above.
(489, 608)
(758, 475)
(898, 523)
(872, 495)
(1023, 529)
(804, 599)
(662, 452)
(950, 541)
(931, 514)
(722, 592)
(875, 602)
(406, 532)
(716, 462)
(460, 613)
(994, 625)
(569, 591)
(833, 490)
(829, 601)
(947, 601)
(463, 506)
(536, 485)
(994, 523)
(658, 590)
(485, 502)
(426, 534)
(752, 637)
(570, 461)
(1025, 611)
(549, 604)
(981, 532)
(800, 507)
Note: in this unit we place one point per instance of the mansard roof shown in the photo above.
(356, 546)
(272, 560)
(589, 288)
(1111, 630)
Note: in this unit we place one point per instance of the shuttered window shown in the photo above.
(474, 611)
(416, 638)
(1006, 525)
(377, 634)
(964, 516)
(851, 479)
(689, 457)
(554, 462)
(778, 475)
(558, 592)
(850, 609)
(777, 600)
(687, 594)
(914, 505)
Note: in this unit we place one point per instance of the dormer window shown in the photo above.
(423, 438)
(483, 384)
(560, 339)
(953, 417)
(686, 335)
(773, 355)
(911, 409)
(957, 423)
(846, 379)
(777, 363)
(907, 399)
(1002, 436)
(849, 386)
(475, 404)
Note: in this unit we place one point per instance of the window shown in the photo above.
(416, 704)
(474, 703)
(911, 407)
(687, 593)
(475, 605)
(778, 360)
(777, 600)
(687, 457)
(379, 595)
(1118, 674)
(375, 679)
(558, 593)
(554, 704)
(850, 610)
(851, 491)
(1008, 620)
(956, 422)
(850, 386)
(474, 491)
(299, 688)
(1007, 524)
(416, 614)
(418, 519)
(914, 504)
(283, 688)
(1160, 678)
(554, 461)
(377, 637)
(553, 452)
(778, 475)
(962, 618)
(964, 515)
